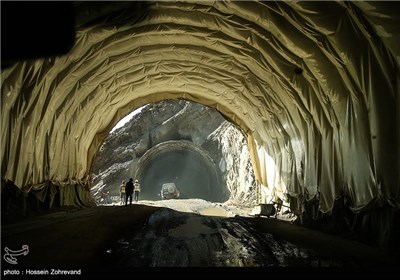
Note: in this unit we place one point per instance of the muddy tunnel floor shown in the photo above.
(123, 237)
(171, 239)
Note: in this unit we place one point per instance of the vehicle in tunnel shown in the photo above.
(169, 191)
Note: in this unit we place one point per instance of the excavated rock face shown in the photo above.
(182, 142)
(230, 151)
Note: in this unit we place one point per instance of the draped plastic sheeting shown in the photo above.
(315, 85)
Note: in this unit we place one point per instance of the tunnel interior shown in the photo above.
(180, 162)
(314, 87)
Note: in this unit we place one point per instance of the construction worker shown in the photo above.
(137, 190)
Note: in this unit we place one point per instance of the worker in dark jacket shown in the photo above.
(129, 191)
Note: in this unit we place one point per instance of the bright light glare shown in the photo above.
(126, 119)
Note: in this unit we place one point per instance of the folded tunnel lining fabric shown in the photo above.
(315, 85)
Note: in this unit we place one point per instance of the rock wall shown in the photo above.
(231, 152)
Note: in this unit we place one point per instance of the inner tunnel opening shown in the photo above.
(179, 162)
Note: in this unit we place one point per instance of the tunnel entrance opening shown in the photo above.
(169, 141)
(189, 167)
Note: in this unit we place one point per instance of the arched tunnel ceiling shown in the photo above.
(315, 85)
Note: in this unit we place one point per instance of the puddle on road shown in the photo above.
(192, 228)
(217, 212)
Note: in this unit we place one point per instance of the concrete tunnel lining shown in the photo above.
(180, 162)
(318, 133)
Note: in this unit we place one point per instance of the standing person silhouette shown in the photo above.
(129, 191)
(122, 192)
(137, 190)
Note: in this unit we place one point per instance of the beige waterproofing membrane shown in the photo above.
(315, 85)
